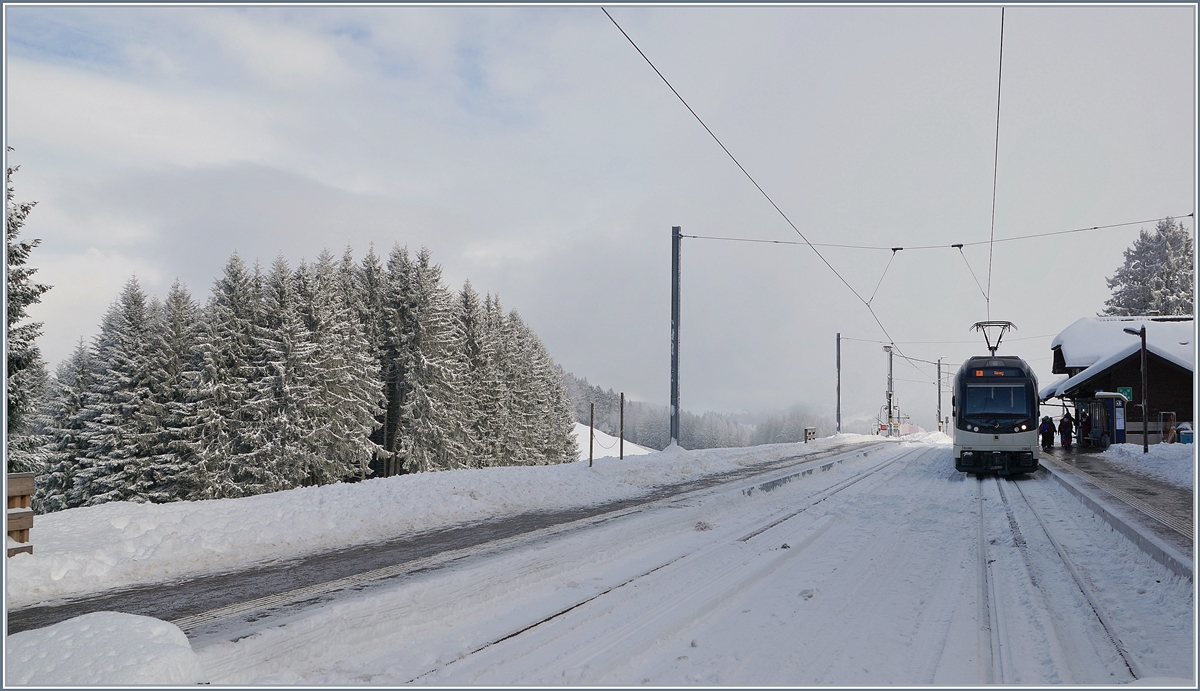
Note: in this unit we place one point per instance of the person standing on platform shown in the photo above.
(1065, 429)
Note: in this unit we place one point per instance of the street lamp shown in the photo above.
(1145, 411)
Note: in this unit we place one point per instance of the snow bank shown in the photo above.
(97, 548)
(102, 649)
(606, 445)
(1170, 463)
(939, 438)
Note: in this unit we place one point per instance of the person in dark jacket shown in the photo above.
(1065, 429)
(1046, 429)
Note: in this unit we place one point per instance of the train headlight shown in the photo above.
(1018, 428)
(976, 429)
(1024, 427)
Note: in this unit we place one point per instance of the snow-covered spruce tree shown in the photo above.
(285, 413)
(61, 423)
(477, 391)
(369, 287)
(492, 433)
(26, 370)
(117, 435)
(423, 376)
(232, 363)
(539, 429)
(553, 440)
(516, 425)
(1157, 274)
(169, 470)
(347, 390)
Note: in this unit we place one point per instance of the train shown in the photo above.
(996, 414)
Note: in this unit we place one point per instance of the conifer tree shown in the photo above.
(62, 425)
(25, 367)
(346, 384)
(283, 402)
(232, 363)
(423, 373)
(1157, 274)
(117, 434)
(169, 470)
(539, 410)
(475, 355)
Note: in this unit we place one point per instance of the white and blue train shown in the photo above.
(995, 407)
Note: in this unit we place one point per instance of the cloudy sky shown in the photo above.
(533, 151)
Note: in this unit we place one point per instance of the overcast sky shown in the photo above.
(533, 151)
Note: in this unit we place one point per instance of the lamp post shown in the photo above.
(1145, 411)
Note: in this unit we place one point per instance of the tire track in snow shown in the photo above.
(664, 616)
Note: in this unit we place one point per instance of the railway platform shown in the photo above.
(1159, 513)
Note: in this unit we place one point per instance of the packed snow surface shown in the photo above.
(880, 564)
(1170, 463)
(102, 649)
(96, 548)
(863, 572)
(606, 445)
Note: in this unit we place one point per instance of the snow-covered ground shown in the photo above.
(606, 445)
(887, 568)
(102, 649)
(1170, 463)
(96, 548)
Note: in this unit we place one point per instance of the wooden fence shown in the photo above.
(20, 516)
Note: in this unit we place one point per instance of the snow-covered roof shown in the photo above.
(1068, 383)
(1051, 390)
(1092, 339)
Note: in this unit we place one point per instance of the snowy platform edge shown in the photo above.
(1152, 545)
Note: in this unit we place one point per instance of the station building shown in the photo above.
(1101, 378)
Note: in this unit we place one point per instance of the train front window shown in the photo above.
(997, 401)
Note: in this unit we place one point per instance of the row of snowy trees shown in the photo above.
(650, 425)
(332, 371)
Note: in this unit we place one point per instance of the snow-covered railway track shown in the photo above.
(1046, 639)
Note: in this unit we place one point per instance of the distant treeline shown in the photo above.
(650, 425)
(333, 371)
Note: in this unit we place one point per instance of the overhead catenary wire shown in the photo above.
(985, 295)
(746, 173)
(995, 170)
(885, 270)
(957, 245)
(870, 340)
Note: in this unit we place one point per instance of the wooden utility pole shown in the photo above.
(591, 433)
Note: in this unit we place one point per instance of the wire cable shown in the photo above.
(868, 340)
(747, 173)
(985, 297)
(995, 170)
(957, 245)
(885, 270)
